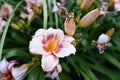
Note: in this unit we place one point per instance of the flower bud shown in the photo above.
(89, 18)
(14, 26)
(69, 25)
(111, 3)
(86, 4)
(110, 32)
(79, 2)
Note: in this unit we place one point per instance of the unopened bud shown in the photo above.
(86, 4)
(14, 26)
(89, 18)
(110, 32)
(69, 25)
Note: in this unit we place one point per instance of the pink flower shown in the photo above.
(117, 5)
(102, 42)
(52, 44)
(54, 74)
(6, 10)
(9, 72)
(2, 24)
(31, 4)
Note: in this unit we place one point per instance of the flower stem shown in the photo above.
(6, 29)
(50, 9)
(45, 14)
(56, 17)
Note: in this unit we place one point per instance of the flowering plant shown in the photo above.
(59, 40)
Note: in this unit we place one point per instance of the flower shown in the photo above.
(102, 42)
(54, 74)
(9, 72)
(2, 24)
(32, 5)
(60, 9)
(52, 44)
(117, 5)
(6, 10)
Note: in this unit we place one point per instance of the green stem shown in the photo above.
(50, 9)
(6, 29)
(56, 16)
(45, 14)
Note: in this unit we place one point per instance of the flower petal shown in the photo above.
(49, 62)
(68, 39)
(3, 66)
(103, 38)
(36, 44)
(18, 72)
(56, 32)
(66, 50)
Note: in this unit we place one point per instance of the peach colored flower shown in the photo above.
(52, 44)
(2, 24)
(6, 10)
(102, 42)
(9, 72)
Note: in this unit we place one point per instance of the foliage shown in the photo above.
(87, 63)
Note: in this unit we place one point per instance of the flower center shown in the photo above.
(7, 77)
(6, 11)
(52, 44)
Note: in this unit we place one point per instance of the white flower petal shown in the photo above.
(49, 62)
(66, 50)
(36, 44)
(3, 66)
(103, 38)
(68, 38)
(18, 72)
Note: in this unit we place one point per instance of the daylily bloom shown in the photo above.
(33, 5)
(2, 24)
(6, 10)
(9, 72)
(60, 9)
(52, 44)
(54, 74)
(102, 42)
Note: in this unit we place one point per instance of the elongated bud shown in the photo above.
(77, 19)
(79, 2)
(111, 3)
(110, 32)
(31, 16)
(69, 25)
(86, 4)
(89, 18)
(14, 26)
